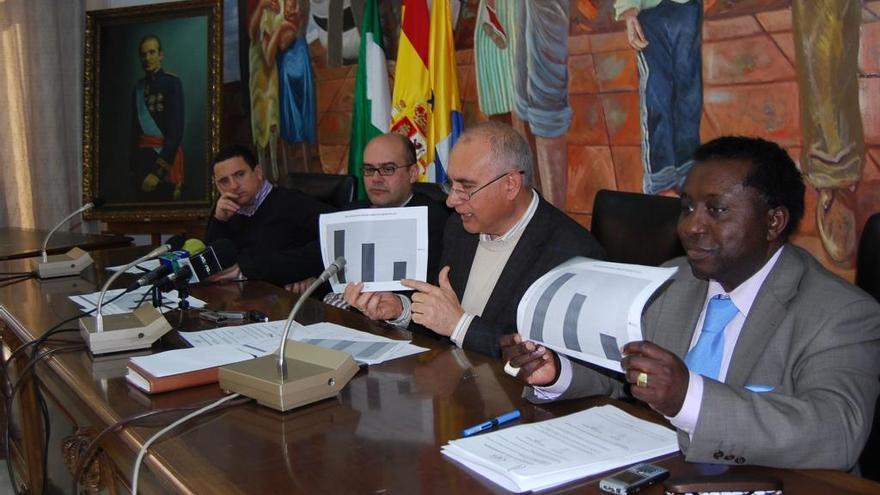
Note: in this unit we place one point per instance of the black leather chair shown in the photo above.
(431, 190)
(636, 228)
(335, 190)
(868, 278)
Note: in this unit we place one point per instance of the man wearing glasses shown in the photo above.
(503, 238)
(389, 173)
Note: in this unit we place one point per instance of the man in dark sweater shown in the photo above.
(275, 229)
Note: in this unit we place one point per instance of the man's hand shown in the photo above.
(667, 376)
(634, 33)
(229, 274)
(435, 307)
(537, 365)
(374, 305)
(301, 286)
(226, 207)
(150, 182)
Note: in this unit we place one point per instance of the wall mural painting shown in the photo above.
(611, 93)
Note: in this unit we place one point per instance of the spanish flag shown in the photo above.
(411, 99)
(446, 120)
(372, 114)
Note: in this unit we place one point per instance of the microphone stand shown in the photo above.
(124, 331)
(300, 374)
(62, 265)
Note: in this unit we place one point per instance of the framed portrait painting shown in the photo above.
(152, 109)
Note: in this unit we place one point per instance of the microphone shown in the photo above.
(166, 261)
(316, 373)
(197, 267)
(70, 263)
(96, 203)
(337, 265)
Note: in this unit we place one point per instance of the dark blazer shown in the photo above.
(811, 344)
(437, 215)
(550, 238)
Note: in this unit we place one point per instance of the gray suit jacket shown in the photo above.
(812, 338)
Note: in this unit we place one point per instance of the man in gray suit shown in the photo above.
(502, 237)
(756, 354)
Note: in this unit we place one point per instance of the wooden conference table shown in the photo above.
(23, 243)
(381, 435)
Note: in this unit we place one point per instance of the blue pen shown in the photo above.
(500, 420)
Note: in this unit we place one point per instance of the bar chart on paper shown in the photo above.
(396, 251)
(379, 250)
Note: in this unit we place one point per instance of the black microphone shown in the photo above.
(173, 244)
(214, 259)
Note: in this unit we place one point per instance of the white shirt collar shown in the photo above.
(744, 295)
(520, 224)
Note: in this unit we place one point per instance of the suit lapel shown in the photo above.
(520, 262)
(462, 259)
(768, 311)
(677, 311)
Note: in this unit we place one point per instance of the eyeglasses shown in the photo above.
(384, 169)
(467, 195)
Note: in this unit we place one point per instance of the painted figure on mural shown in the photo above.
(493, 55)
(296, 81)
(667, 35)
(264, 21)
(157, 130)
(833, 154)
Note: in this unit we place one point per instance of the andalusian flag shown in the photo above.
(372, 107)
(446, 120)
(411, 101)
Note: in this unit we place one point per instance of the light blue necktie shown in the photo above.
(705, 357)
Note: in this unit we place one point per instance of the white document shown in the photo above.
(364, 347)
(549, 453)
(140, 268)
(185, 360)
(589, 309)
(381, 246)
(129, 302)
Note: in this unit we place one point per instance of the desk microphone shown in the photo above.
(300, 374)
(71, 262)
(130, 330)
(335, 267)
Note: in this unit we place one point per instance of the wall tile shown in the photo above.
(746, 60)
(778, 20)
(344, 101)
(579, 45)
(606, 42)
(581, 75)
(335, 128)
(769, 110)
(869, 51)
(588, 121)
(617, 71)
(590, 169)
(735, 27)
(785, 42)
(628, 168)
(869, 100)
(622, 117)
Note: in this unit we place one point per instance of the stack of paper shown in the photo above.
(365, 348)
(549, 453)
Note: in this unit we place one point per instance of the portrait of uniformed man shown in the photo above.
(157, 131)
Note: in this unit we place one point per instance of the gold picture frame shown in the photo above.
(151, 116)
